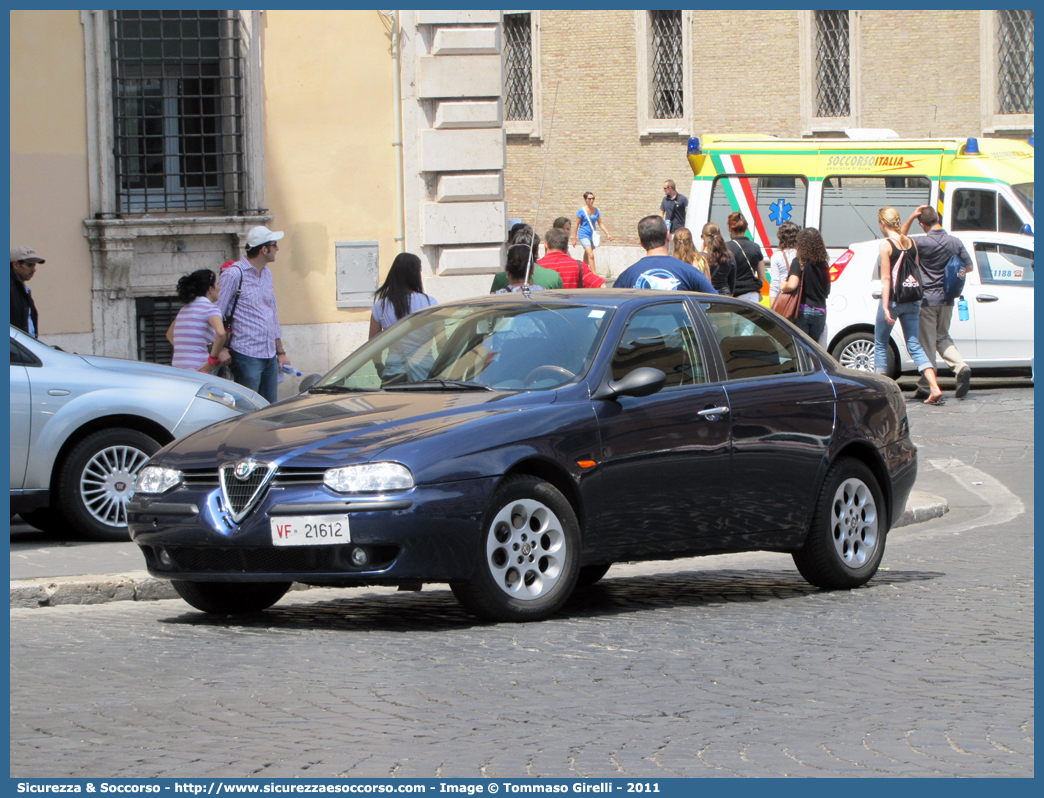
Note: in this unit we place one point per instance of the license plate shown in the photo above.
(310, 530)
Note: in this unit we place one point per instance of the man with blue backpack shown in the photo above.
(944, 261)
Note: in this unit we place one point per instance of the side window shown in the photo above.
(752, 344)
(661, 337)
(16, 355)
(777, 199)
(850, 205)
(1007, 220)
(974, 209)
(1000, 264)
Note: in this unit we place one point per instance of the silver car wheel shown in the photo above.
(107, 483)
(854, 522)
(526, 549)
(858, 355)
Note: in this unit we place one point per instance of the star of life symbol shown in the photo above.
(779, 211)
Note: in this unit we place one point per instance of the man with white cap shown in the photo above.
(23, 309)
(247, 298)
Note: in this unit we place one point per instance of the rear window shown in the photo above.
(776, 199)
(850, 205)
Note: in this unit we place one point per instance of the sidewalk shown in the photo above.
(45, 577)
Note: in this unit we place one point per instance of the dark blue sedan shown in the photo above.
(516, 447)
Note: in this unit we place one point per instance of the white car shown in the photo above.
(997, 334)
(82, 427)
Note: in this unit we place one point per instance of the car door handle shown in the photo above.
(986, 298)
(876, 294)
(712, 413)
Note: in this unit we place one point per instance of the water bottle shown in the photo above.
(962, 309)
(290, 370)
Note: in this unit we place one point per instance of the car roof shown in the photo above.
(595, 297)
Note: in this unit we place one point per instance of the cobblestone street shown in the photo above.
(723, 666)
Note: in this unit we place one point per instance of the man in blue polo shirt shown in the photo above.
(658, 269)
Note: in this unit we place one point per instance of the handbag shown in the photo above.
(906, 280)
(788, 305)
(596, 239)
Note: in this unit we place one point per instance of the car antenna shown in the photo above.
(540, 192)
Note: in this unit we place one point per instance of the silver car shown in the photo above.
(82, 427)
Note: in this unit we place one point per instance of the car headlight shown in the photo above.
(154, 479)
(233, 399)
(369, 478)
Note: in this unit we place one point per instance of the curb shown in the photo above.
(140, 586)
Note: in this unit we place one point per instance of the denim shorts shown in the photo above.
(586, 242)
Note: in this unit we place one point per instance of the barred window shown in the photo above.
(518, 57)
(178, 110)
(666, 58)
(833, 85)
(1015, 62)
(155, 313)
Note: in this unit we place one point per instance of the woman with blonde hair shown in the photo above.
(720, 261)
(901, 295)
(685, 250)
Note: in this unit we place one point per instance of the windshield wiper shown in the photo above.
(338, 389)
(435, 382)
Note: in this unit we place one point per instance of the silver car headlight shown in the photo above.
(369, 478)
(155, 479)
(229, 398)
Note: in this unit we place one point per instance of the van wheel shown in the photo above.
(856, 351)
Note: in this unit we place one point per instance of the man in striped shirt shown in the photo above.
(248, 296)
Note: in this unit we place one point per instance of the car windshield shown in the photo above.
(1024, 191)
(524, 345)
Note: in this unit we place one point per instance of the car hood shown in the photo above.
(149, 369)
(322, 431)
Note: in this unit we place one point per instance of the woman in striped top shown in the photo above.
(198, 333)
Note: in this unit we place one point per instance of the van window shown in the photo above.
(850, 205)
(1001, 263)
(778, 199)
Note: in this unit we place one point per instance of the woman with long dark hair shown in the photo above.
(779, 263)
(401, 294)
(812, 262)
(720, 261)
(895, 248)
(198, 332)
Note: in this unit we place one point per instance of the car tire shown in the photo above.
(97, 480)
(856, 351)
(846, 539)
(47, 519)
(529, 554)
(591, 574)
(231, 598)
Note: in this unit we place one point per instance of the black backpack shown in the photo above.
(906, 279)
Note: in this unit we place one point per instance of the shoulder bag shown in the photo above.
(596, 239)
(750, 265)
(227, 320)
(788, 305)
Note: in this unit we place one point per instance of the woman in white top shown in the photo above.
(198, 332)
(779, 264)
(402, 293)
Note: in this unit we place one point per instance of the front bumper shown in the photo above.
(430, 533)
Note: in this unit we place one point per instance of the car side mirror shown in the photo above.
(640, 382)
(308, 382)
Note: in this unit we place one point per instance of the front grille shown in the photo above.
(297, 559)
(242, 494)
